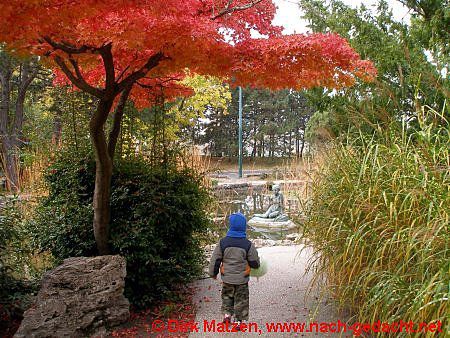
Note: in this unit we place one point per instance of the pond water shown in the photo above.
(251, 200)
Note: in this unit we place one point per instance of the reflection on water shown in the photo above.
(251, 200)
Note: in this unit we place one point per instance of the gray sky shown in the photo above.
(288, 13)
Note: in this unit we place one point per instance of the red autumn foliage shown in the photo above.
(135, 48)
(10, 319)
(207, 36)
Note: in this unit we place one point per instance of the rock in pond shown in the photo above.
(269, 224)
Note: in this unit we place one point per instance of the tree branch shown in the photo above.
(181, 106)
(108, 63)
(77, 80)
(118, 115)
(69, 49)
(151, 63)
(416, 6)
(230, 10)
(144, 85)
(5, 92)
(25, 80)
(123, 72)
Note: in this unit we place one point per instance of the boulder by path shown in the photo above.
(82, 297)
(280, 296)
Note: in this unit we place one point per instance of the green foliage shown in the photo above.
(63, 220)
(166, 124)
(274, 124)
(209, 92)
(318, 128)
(8, 233)
(379, 222)
(14, 289)
(429, 24)
(17, 257)
(157, 215)
(406, 77)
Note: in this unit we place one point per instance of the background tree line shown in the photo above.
(274, 124)
(412, 62)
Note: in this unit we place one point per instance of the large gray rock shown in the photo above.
(80, 298)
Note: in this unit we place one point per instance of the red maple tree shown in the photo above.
(118, 49)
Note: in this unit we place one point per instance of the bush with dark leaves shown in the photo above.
(157, 217)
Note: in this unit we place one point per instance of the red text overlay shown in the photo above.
(356, 329)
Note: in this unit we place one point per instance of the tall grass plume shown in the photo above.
(379, 224)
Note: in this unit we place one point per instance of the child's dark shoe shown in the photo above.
(227, 319)
(241, 325)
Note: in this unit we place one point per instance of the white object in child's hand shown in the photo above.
(261, 271)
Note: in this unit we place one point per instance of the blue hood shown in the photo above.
(238, 226)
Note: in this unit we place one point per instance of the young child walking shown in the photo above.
(233, 256)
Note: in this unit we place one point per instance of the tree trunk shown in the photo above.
(57, 129)
(269, 146)
(11, 130)
(10, 164)
(290, 145)
(303, 144)
(104, 152)
(255, 143)
(263, 146)
(25, 80)
(9, 155)
(104, 157)
(103, 174)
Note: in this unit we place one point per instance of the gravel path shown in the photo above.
(279, 296)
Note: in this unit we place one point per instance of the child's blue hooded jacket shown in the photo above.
(235, 252)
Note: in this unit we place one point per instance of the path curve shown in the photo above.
(280, 296)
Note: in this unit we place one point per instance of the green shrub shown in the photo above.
(14, 291)
(8, 284)
(157, 215)
(8, 233)
(379, 224)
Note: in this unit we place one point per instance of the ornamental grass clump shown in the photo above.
(379, 224)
